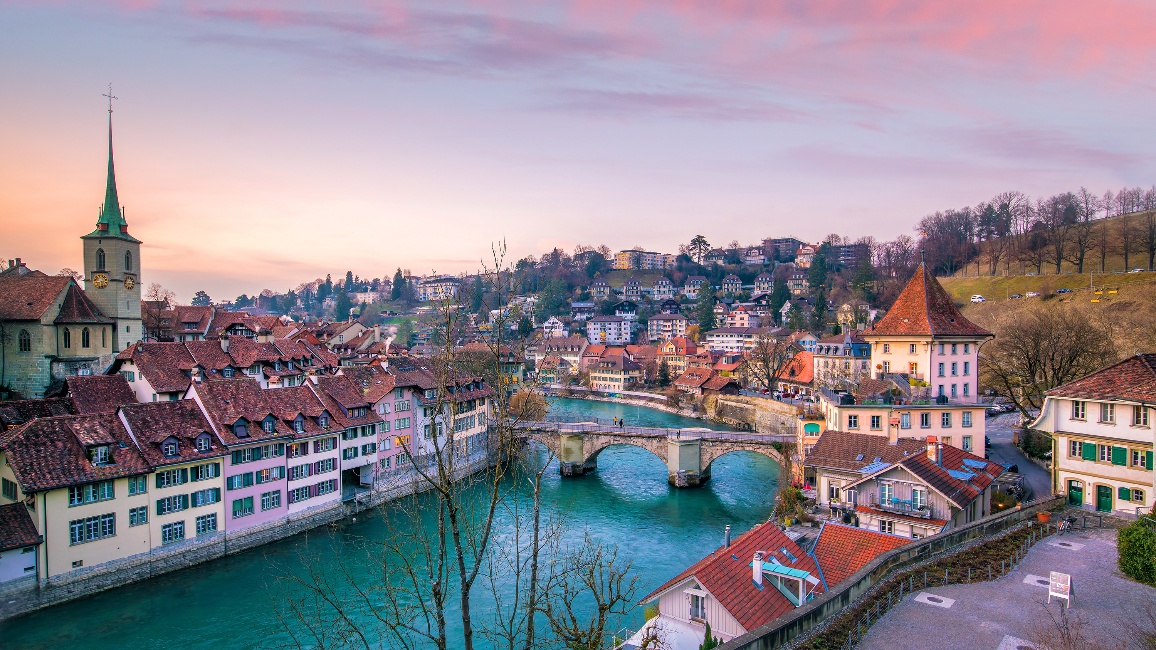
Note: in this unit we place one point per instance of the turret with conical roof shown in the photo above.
(925, 336)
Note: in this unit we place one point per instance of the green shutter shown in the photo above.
(184, 502)
(1088, 451)
(248, 479)
(184, 475)
(159, 479)
(1124, 494)
(1148, 460)
(159, 506)
(1119, 455)
(216, 494)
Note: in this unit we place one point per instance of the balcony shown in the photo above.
(903, 507)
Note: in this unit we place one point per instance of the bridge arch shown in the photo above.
(712, 451)
(594, 446)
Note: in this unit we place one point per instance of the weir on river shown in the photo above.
(228, 603)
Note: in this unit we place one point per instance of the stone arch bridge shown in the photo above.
(687, 453)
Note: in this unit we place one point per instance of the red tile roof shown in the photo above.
(1132, 379)
(958, 491)
(229, 400)
(100, 393)
(16, 412)
(27, 297)
(726, 575)
(924, 308)
(50, 453)
(854, 451)
(16, 527)
(153, 423)
(843, 550)
(694, 378)
(78, 308)
(800, 369)
(375, 383)
(164, 365)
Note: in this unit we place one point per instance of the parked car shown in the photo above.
(1016, 296)
(1063, 290)
(978, 298)
(1033, 294)
(986, 441)
(1137, 270)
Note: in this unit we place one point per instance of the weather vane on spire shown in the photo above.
(110, 98)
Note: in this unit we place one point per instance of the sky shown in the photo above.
(264, 144)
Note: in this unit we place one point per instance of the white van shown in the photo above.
(978, 298)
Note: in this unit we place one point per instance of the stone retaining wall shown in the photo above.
(760, 414)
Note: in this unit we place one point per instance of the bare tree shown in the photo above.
(591, 570)
(1126, 237)
(75, 275)
(1039, 347)
(768, 358)
(1083, 229)
(1148, 236)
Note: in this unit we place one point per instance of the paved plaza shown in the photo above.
(1006, 613)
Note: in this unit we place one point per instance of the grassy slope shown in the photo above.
(997, 289)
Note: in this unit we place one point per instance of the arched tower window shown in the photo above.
(128, 260)
(100, 259)
(67, 338)
(84, 340)
(25, 341)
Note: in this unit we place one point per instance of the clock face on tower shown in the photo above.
(129, 283)
(100, 280)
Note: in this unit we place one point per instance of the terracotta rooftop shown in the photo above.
(229, 400)
(843, 550)
(1132, 379)
(800, 369)
(958, 491)
(27, 297)
(16, 527)
(924, 308)
(375, 383)
(726, 575)
(854, 451)
(99, 393)
(153, 423)
(13, 413)
(50, 453)
(78, 308)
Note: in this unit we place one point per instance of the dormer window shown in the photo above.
(241, 429)
(227, 373)
(267, 425)
(277, 366)
(169, 447)
(100, 455)
(204, 442)
(299, 424)
(323, 421)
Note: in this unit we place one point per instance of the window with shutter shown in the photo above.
(1148, 460)
(1089, 451)
(1124, 494)
(1119, 455)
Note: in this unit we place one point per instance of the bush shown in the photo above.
(1001, 501)
(649, 612)
(1035, 444)
(1136, 544)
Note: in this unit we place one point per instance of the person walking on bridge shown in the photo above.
(621, 423)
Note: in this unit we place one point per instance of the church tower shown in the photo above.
(112, 262)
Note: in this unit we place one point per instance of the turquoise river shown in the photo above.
(229, 603)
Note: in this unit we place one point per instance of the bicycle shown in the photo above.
(1065, 525)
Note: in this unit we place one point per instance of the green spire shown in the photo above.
(111, 222)
(110, 214)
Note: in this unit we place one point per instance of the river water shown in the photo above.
(229, 603)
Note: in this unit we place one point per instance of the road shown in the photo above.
(1002, 451)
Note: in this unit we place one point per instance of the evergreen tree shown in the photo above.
(795, 320)
(476, 294)
(525, 327)
(201, 299)
(819, 311)
(398, 285)
(343, 307)
(664, 374)
(704, 309)
(349, 284)
(780, 294)
(817, 274)
(709, 641)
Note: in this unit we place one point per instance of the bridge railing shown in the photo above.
(595, 426)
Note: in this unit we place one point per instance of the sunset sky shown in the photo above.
(263, 145)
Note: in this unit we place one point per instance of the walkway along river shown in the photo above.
(228, 603)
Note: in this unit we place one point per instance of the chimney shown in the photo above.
(225, 343)
(939, 454)
(932, 452)
(377, 333)
(727, 536)
(757, 569)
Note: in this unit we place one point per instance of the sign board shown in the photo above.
(1060, 586)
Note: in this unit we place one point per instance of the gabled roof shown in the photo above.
(375, 383)
(13, 413)
(27, 297)
(1132, 379)
(209, 355)
(343, 391)
(800, 369)
(78, 308)
(946, 478)
(99, 393)
(16, 527)
(164, 365)
(843, 550)
(726, 575)
(694, 377)
(153, 423)
(50, 453)
(924, 308)
(853, 451)
(229, 400)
